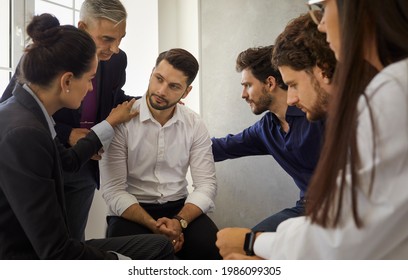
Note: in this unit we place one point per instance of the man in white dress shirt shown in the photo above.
(143, 174)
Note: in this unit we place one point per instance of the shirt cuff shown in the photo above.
(263, 244)
(105, 133)
(202, 201)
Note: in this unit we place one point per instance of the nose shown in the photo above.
(114, 47)
(292, 98)
(244, 94)
(161, 89)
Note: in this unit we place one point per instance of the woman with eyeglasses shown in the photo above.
(358, 197)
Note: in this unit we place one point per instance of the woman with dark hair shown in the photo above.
(357, 201)
(57, 69)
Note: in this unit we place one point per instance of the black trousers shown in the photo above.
(199, 237)
(137, 247)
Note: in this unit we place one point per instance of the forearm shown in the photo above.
(73, 158)
(246, 143)
(137, 214)
(63, 133)
(190, 212)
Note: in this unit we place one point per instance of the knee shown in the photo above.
(166, 251)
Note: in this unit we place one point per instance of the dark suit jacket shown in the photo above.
(32, 211)
(110, 78)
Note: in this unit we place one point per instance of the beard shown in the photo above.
(164, 103)
(319, 109)
(263, 104)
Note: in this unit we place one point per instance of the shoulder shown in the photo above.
(189, 117)
(387, 92)
(396, 73)
(188, 113)
(118, 58)
(26, 138)
(115, 62)
(22, 116)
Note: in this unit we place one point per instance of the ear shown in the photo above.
(270, 83)
(66, 80)
(187, 91)
(323, 76)
(82, 25)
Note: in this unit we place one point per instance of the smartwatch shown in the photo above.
(249, 243)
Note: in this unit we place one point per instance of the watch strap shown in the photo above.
(249, 243)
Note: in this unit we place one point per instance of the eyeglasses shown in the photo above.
(316, 11)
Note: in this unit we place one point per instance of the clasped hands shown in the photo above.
(172, 229)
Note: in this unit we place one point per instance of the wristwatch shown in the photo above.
(183, 223)
(249, 243)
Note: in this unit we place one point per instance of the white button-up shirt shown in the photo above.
(384, 211)
(148, 162)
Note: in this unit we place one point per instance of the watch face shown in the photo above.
(249, 243)
(183, 223)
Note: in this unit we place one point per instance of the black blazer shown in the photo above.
(110, 78)
(32, 211)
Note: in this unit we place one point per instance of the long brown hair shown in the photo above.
(388, 22)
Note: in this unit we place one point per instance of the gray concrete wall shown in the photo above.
(251, 188)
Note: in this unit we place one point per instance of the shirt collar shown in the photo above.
(291, 111)
(50, 120)
(145, 113)
(294, 111)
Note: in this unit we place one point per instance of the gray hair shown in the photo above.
(112, 10)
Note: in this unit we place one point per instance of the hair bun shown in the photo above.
(43, 27)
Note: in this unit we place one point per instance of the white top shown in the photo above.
(385, 211)
(148, 163)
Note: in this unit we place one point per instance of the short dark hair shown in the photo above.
(55, 49)
(301, 47)
(258, 60)
(181, 60)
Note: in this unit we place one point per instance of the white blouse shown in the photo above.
(385, 211)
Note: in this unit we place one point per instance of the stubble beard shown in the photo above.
(319, 109)
(165, 106)
(264, 103)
